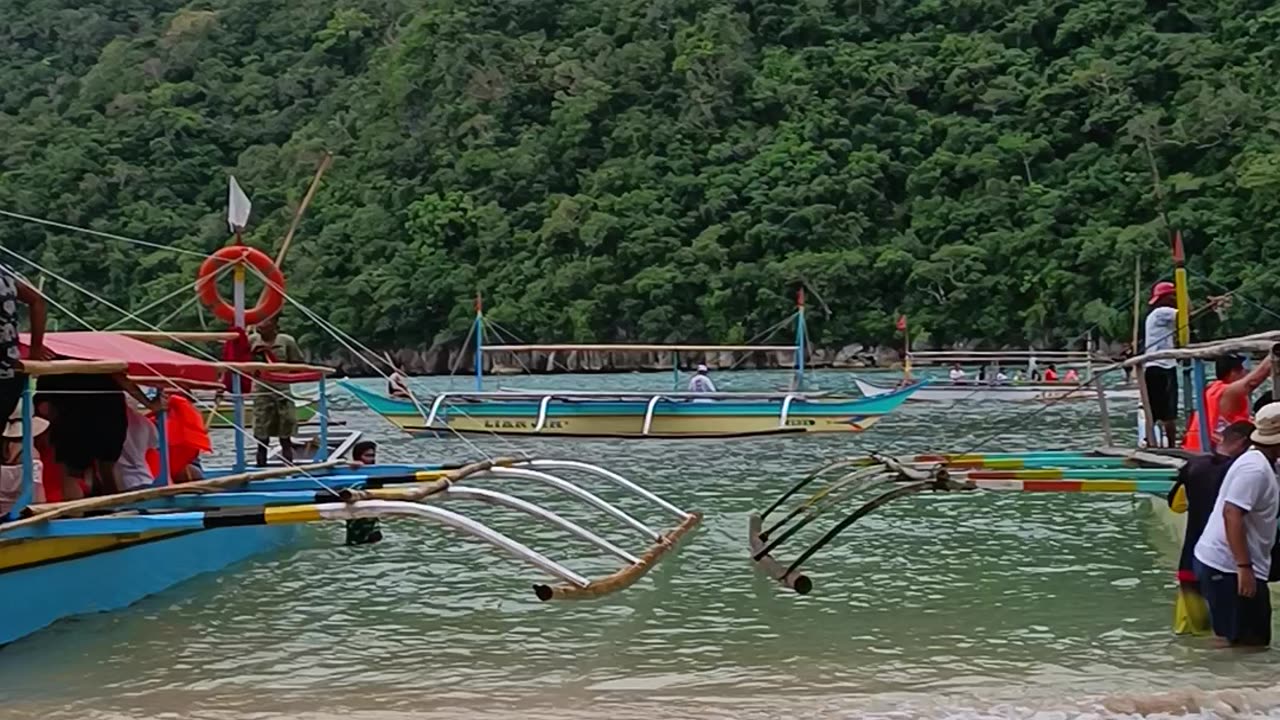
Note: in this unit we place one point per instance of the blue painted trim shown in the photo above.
(110, 525)
(36, 597)
(162, 438)
(28, 453)
(1197, 386)
(323, 453)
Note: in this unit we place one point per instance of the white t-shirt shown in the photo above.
(140, 437)
(1161, 334)
(701, 384)
(1251, 486)
(956, 374)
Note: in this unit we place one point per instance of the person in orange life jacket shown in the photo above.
(1226, 399)
(1201, 479)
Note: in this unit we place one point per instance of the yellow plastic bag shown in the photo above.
(1190, 613)
(1179, 504)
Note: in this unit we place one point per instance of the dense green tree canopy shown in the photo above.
(655, 169)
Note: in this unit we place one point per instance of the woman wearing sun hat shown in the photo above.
(1233, 555)
(11, 461)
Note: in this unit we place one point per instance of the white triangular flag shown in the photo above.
(238, 207)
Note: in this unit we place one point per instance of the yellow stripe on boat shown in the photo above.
(22, 553)
(290, 514)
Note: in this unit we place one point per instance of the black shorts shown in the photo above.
(1162, 391)
(1239, 620)
(10, 394)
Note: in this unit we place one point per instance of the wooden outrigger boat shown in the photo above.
(626, 414)
(60, 560)
(988, 390)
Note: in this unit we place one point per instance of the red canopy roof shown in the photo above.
(145, 359)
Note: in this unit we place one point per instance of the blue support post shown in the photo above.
(800, 345)
(322, 454)
(237, 406)
(162, 437)
(1202, 418)
(479, 360)
(28, 453)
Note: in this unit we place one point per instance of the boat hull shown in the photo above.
(49, 579)
(946, 392)
(673, 418)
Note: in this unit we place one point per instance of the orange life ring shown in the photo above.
(272, 298)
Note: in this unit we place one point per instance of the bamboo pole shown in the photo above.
(626, 576)
(73, 367)
(1208, 351)
(161, 336)
(275, 367)
(51, 511)
(325, 162)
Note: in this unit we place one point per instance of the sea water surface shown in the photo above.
(958, 606)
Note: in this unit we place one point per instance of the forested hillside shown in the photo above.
(656, 169)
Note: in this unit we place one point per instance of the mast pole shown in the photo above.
(800, 339)
(1183, 298)
(237, 395)
(479, 333)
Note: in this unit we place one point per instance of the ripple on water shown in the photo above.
(964, 606)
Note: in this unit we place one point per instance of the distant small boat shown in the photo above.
(946, 391)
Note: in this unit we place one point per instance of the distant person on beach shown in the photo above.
(701, 382)
(1233, 556)
(1226, 399)
(14, 291)
(1161, 376)
(1196, 488)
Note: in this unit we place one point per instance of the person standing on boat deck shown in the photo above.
(14, 290)
(274, 414)
(1233, 556)
(1226, 399)
(701, 382)
(1161, 376)
(1198, 483)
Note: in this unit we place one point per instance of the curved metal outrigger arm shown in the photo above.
(612, 477)
(401, 508)
(804, 481)
(858, 484)
(571, 489)
(825, 498)
(493, 497)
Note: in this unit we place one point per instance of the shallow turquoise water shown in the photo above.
(951, 606)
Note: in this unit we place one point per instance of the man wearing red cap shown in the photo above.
(1162, 375)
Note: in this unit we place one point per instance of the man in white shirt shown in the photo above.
(956, 374)
(700, 382)
(1233, 555)
(1161, 376)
